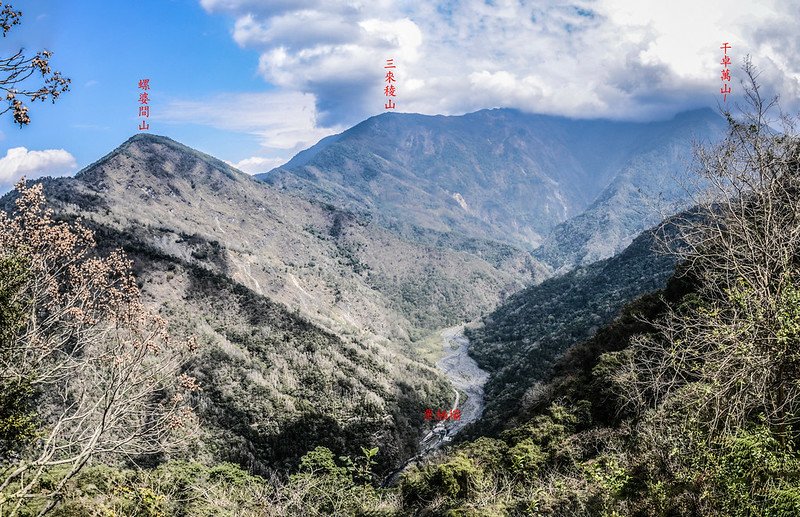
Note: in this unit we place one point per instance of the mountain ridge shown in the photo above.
(498, 174)
(308, 315)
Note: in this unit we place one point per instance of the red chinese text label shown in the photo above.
(455, 414)
(725, 74)
(144, 104)
(390, 90)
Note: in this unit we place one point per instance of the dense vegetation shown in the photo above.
(520, 341)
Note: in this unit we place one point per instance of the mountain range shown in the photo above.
(314, 289)
(306, 313)
(576, 191)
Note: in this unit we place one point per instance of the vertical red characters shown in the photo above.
(144, 103)
(726, 74)
(390, 90)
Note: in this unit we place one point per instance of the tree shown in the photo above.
(15, 70)
(101, 366)
(730, 353)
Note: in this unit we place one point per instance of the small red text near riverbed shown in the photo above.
(144, 104)
(442, 415)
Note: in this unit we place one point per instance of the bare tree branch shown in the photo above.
(104, 364)
(16, 69)
(731, 351)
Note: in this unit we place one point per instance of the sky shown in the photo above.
(253, 82)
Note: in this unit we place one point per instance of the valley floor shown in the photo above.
(468, 378)
(465, 375)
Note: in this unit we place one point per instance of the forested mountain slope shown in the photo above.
(304, 313)
(521, 340)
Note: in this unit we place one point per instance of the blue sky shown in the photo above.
(254, 81)
(105, 48)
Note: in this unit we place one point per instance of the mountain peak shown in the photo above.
(146, 158)
(147, 140)
(148, 137)
(700, 114)
(696, 112)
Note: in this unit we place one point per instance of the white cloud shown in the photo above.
(19, 162)
(602, 58)
(258, 164)
(282, 120)
(297, 30)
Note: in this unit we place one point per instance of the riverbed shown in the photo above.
(468, 380)
(465, 375)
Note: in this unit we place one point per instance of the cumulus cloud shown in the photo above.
(282, 120)
(19, 162)
(619, 59)
(257, 164)
(603, 58)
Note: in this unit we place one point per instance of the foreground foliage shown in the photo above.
(86, 371)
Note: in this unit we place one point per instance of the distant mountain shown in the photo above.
(651, 185)
(505, 175)
(305, 313)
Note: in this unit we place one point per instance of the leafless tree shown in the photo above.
(731, 351)
(104, 364)
(16, 69)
